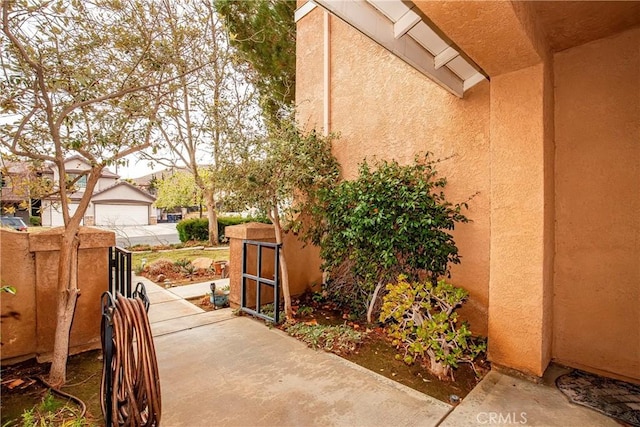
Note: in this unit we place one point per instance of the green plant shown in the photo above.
(392, 219)
(193, 229)
(305, 310)
(421, 319)
(181, 262)
(198, 228)
(35, 221)
(340, 339)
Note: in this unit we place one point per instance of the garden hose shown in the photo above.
(130, 389)
(81, 404)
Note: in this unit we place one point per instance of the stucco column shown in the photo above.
(522, 201)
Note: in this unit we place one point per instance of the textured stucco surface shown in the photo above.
(517, 291)
(17, 269)
(30, 263)
(491, 33)
(597, 277)
(383, 108)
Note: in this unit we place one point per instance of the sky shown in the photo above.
(137, 168)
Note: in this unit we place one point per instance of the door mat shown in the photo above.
(614, 398)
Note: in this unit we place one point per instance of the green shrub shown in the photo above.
(35, 221)
(422, 321)
(193, 229)
(198, 228)
(391, 220)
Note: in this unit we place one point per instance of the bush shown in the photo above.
(389, 221)
(35, 221)
(422, 321)
(193, 229)
(198, 228)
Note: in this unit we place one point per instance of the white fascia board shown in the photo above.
(404, 24)
(304, 10)
(366, 19)
(443, 58)
(473, 80)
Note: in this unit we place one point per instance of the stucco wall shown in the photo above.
(597, 269)
(17, 269)
(30, 263)
(521, 257)
(382, 107)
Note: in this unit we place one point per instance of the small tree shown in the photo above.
(285, 181)
(391, 220)
(177, 190)
(86, 79)
(207, 113)
(423, 323)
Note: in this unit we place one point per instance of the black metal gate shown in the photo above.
(260, 280)
(120, 272)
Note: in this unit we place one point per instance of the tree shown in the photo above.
(207, 112)
(83, 79)
(286, 181)
(178, 190)
(264, 31)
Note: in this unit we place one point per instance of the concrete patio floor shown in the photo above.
(220, 369)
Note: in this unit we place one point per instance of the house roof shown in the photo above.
(106, 172)
(404, 30)
(102, 195)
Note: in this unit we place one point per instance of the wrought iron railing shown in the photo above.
(260, 280)
(120, 272)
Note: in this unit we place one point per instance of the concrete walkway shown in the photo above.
(220, 369)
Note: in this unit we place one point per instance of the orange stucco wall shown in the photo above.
(552, 144)
(30, 263)
(597, 272)
(382, 107)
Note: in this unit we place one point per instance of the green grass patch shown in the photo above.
(189, 254)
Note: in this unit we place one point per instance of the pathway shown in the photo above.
(220, 369)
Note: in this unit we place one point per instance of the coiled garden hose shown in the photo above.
(130, 389)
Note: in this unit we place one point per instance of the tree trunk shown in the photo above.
(68, 279)
(67, 297)
(439, 369)
(284, 272)
(212, 216)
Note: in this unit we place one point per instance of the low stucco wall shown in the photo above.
(596, 322)
(30, 264)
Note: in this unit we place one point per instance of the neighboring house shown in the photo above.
(539, 105)
(14, 201)
(114, 203)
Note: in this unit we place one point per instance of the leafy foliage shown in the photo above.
(193, 229)
(423, 323)
(390, 220)
(197, 228)
(285, 180)
(264, 31)
(341, 339)
(177, 190)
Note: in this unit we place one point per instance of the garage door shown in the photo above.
(110, 215)
(52, 214)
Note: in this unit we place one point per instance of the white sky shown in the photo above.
(136, 168)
